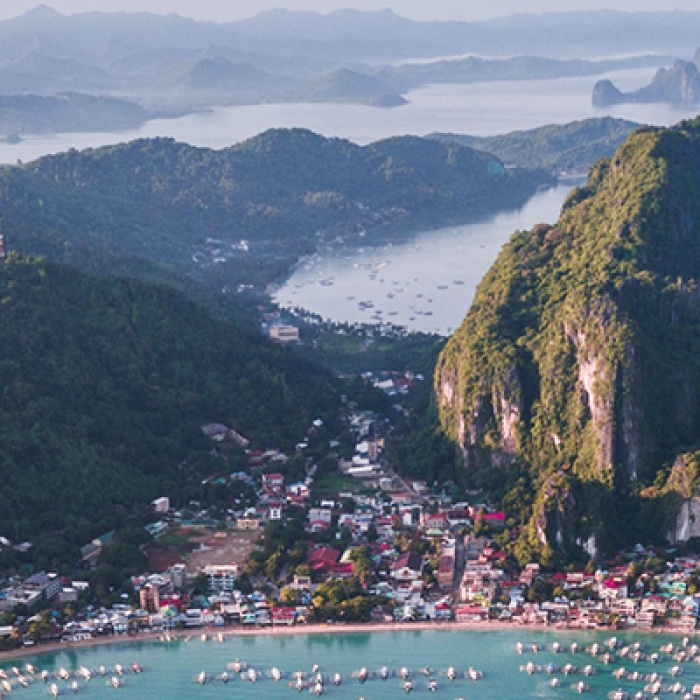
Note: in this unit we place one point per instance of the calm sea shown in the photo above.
(170, 669)
(425, 283)
(479, 109)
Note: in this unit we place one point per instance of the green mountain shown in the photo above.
(179, 209)
(573, 383)
(565, 148)
(105, 385)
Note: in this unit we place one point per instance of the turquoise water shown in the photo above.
(170, 669)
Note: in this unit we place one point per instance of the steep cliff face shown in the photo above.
(578, 362)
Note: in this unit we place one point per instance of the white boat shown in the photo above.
(201, 677)
(432, 685)
(474, 674)
(224, 677)
(6, 685)
(404, 673)
(63, 674)
(236, 666)
(252, 675)
(451, 673)
(115, 682)
(337, 679)
(275, 673)
(384, 673)
(53, 689)
(581, 687)
(23, 681)
(45, 676)
(135, 667)
(407, 686)
(588, 670)
(74, 686)
(362, 675)
(30, 669)
(119, 669)
(318, 689)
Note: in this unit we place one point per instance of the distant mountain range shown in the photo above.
(171, 65)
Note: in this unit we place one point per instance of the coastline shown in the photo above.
(312, 629)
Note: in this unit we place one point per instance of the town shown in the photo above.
(336, 542)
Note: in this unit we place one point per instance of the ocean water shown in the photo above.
(480, 109)
(170, 669)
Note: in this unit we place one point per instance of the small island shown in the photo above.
(678, 85)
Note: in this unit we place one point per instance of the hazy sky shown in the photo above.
(227, 10)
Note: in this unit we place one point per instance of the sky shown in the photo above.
(231, 10)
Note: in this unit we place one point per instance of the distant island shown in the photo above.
(678, 85)
(173, 66)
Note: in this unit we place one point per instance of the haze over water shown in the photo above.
(478, 109)
(453, 259)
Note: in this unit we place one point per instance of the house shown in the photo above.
(284, 333)
(326, 560)
(446, 571)
(496, 520)
(471, 613)
(319, 519)
(161, 505)
(221, 577)
(47, 585)
(408, 567)
(283, 616)
(434, 521)
(273, 483)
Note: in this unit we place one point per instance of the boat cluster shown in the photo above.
(316, 681)
(613, 651)
(63, 679)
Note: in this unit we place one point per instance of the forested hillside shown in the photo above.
(573, 384)
(572, 147)
(158, 206)
(105, 385)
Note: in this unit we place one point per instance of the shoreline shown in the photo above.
(316, 629)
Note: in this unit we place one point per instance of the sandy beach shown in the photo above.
(303, 629)
(281, 630)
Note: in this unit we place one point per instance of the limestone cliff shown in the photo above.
(678, 85)
(578, 364)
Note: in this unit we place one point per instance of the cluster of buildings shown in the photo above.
(414, 549)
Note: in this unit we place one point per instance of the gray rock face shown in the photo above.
(678, 85)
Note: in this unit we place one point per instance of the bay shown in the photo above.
(424, 282)
(170, 669)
